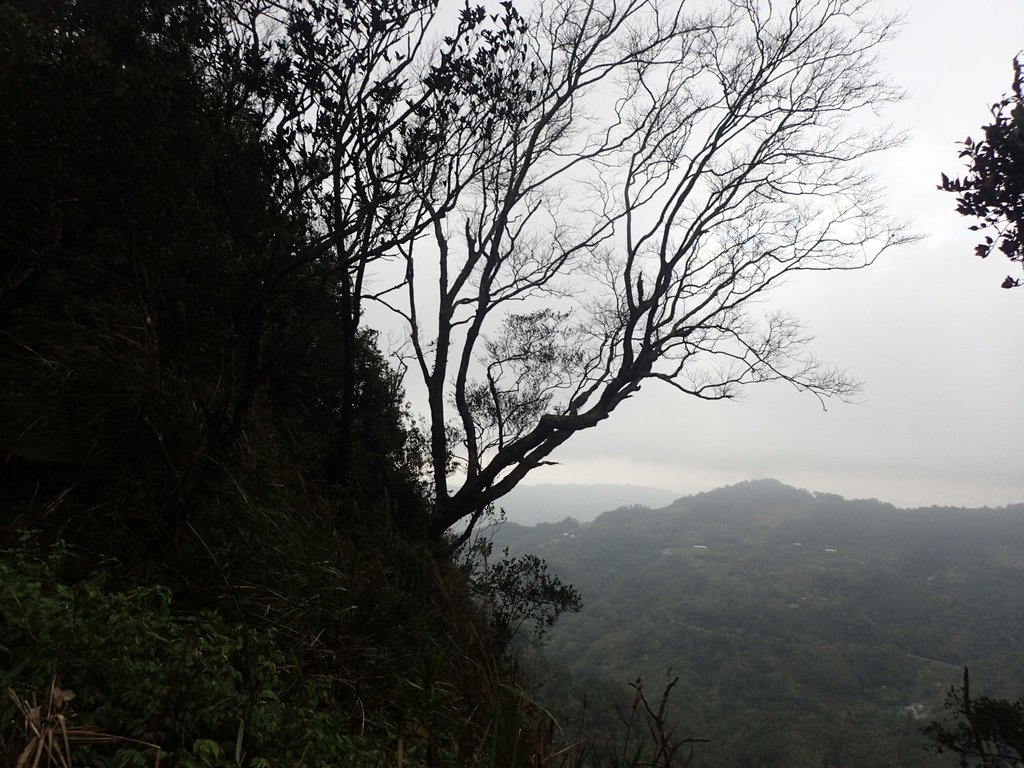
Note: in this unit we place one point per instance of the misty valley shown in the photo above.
(805, 629)
(295, 293)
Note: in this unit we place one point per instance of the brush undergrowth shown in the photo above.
(150, 685)
(93, 676)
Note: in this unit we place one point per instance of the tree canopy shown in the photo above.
(992, 191)
(616, 215)
(980, 731)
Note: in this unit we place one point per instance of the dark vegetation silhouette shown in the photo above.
(225, 540)
(992, 190)
(980, 731)
(212, 515)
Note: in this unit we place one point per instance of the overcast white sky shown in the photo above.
(936, 341)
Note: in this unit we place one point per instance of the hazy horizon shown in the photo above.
(927, 329)
(533, 503)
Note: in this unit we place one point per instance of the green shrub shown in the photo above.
(208, 691)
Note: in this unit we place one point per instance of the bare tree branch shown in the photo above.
(605, 195)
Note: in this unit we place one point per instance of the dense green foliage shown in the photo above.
(206, 690)
(212, 513)
(521, 596)
(992, 191)
(805, 629)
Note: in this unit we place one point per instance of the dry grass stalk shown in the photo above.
(48, 736)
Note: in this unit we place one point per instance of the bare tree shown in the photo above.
(374, 115)
(664, 167)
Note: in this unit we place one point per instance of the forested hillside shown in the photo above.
(805, 629)
(225, 540)
(213, 512)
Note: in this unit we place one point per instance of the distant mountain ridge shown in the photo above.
(551, 502)
(763, 500)
(834, 626)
